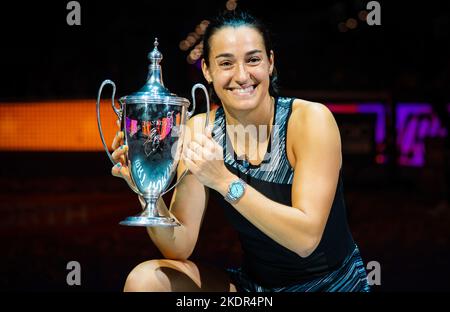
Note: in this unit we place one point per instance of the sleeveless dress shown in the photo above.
(335, 265)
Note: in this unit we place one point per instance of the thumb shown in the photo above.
(208, 131)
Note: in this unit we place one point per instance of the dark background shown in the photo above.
(57, 207)
(43, 57)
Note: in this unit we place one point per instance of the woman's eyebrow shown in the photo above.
(225, 55)
(231, 55)
(253, 52)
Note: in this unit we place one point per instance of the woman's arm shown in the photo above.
(187, 206)
(317, 152)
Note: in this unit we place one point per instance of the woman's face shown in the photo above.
(239, 67)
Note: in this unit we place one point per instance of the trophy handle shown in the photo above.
(117, 111)
(194, 88)
(189, 115)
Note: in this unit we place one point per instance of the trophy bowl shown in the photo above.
(153, 120)
(154, 134)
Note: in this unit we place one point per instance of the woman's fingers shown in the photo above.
(118, 140)
(193, 151)
(190, 164)
(121, 171)
(116, 170)
(119, 148)
(119, 154)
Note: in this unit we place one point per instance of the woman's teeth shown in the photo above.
(241, 91)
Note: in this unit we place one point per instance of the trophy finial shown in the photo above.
(155, 56)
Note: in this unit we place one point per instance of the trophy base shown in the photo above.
(149, 221)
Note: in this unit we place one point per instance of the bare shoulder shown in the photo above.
(309, 124)
(307, 113)
(310, 118)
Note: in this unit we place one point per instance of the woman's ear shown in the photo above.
(205, 71)
(271, 62)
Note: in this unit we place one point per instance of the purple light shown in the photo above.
(415, 123)
(380, 111)
(198, 64)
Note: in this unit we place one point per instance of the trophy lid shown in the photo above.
(154, 91)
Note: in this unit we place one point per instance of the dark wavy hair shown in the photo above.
(238, 18)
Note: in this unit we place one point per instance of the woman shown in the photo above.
(283, 193)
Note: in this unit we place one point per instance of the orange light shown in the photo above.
(362, 15)
(199, 30)
(189, 59)
(69, 125)
(195, 54)
(204, 23)
(231, 5)
(351, 23)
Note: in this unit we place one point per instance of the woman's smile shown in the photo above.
(243, 92)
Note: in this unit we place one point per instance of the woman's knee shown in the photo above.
(176, 275)
(147, 276)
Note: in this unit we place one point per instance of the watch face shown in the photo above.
(237, 189)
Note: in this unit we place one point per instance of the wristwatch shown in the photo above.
(236, 190)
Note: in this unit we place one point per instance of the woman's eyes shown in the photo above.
(225, 64)
(252, 61)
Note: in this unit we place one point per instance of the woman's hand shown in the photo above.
(204, 158)
(120, 169)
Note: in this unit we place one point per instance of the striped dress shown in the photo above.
(335, 265)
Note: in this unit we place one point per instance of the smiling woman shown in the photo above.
(283, 194)
(258, 59)
(240, 69)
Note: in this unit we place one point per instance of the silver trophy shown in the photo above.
(153, 120)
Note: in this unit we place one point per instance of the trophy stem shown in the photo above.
(150, 216)
(151, 209)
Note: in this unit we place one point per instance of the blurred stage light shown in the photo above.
(199, 30)
(189, 59)
(231, 5)
(184, 45)
(362, 15)
(342, 27)
(351, 23)
(204, 24)
(191, 40)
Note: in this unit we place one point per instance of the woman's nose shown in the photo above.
(241, 75)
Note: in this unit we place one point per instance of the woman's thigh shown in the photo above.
(177, 276)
